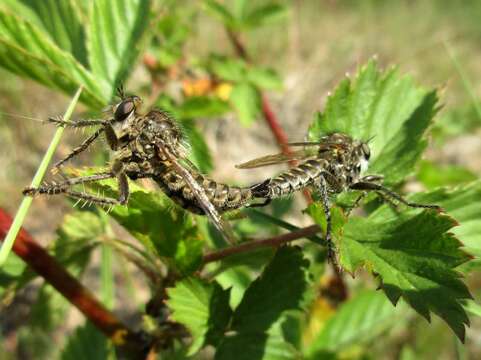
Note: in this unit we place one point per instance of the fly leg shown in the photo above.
(82, 147)
(64, 188)
(59, 121)
(264, 203)
(123, 183)
(331, 251)
(391, 195)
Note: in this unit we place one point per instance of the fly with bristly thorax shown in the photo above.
(337, 164)
(149, 145)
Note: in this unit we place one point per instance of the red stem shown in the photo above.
(256, 244)
(56, 275)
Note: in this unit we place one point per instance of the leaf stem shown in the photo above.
(274, 241)
(42, 169)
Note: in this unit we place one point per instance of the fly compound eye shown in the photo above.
(366, 151)
(124, 109)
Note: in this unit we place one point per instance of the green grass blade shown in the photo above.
(42, 169)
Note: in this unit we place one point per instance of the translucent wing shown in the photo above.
(209, 209)
(276, 159)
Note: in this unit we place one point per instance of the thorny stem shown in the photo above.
(274, 241)
(56, 275)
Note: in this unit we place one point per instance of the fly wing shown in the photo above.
(209, 209)
(275, 159)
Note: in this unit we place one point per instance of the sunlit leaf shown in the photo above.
(385, 108)
(115, 37)
(26, 51)
(433, 175)
(415, 257)
(62, 20)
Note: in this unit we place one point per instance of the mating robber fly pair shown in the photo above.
(152, 145)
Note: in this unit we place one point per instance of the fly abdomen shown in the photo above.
(222, 196)
(291, 180)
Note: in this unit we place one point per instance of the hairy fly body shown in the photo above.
(149, 146)
(337, 164)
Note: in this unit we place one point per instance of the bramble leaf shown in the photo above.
(282, 286)
(27, 51)
(414, 255)
(433, 175)
(385, 108)
(203, 308)
(115, 36)
(161, 226)
(62, 20)
(152, 219)
(463, 204)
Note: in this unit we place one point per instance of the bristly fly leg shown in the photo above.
(82, 147)
(386, 193)
(323, 192)
(59, 121)
(64, 188)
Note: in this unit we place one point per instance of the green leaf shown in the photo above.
(26, 51)
(203, 308)
(360, 319)
(86, 343)
(61, 19)
(202, 107)
(414, 255)
(247, 102)
(433, 175)
(228, 69)
(463, 204)
(386, 108)
(115, 37)
(159, 225)
(282, 286)
(265, 14)
(265, 78)
(220, 12)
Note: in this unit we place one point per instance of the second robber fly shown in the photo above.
(334, 164)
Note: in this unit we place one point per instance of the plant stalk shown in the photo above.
(274, 241)
(37, 179)
(55, 274)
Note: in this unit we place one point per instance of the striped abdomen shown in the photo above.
(292, 180)
(222, 196)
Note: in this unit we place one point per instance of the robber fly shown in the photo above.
(148, 146)
(337, 164)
